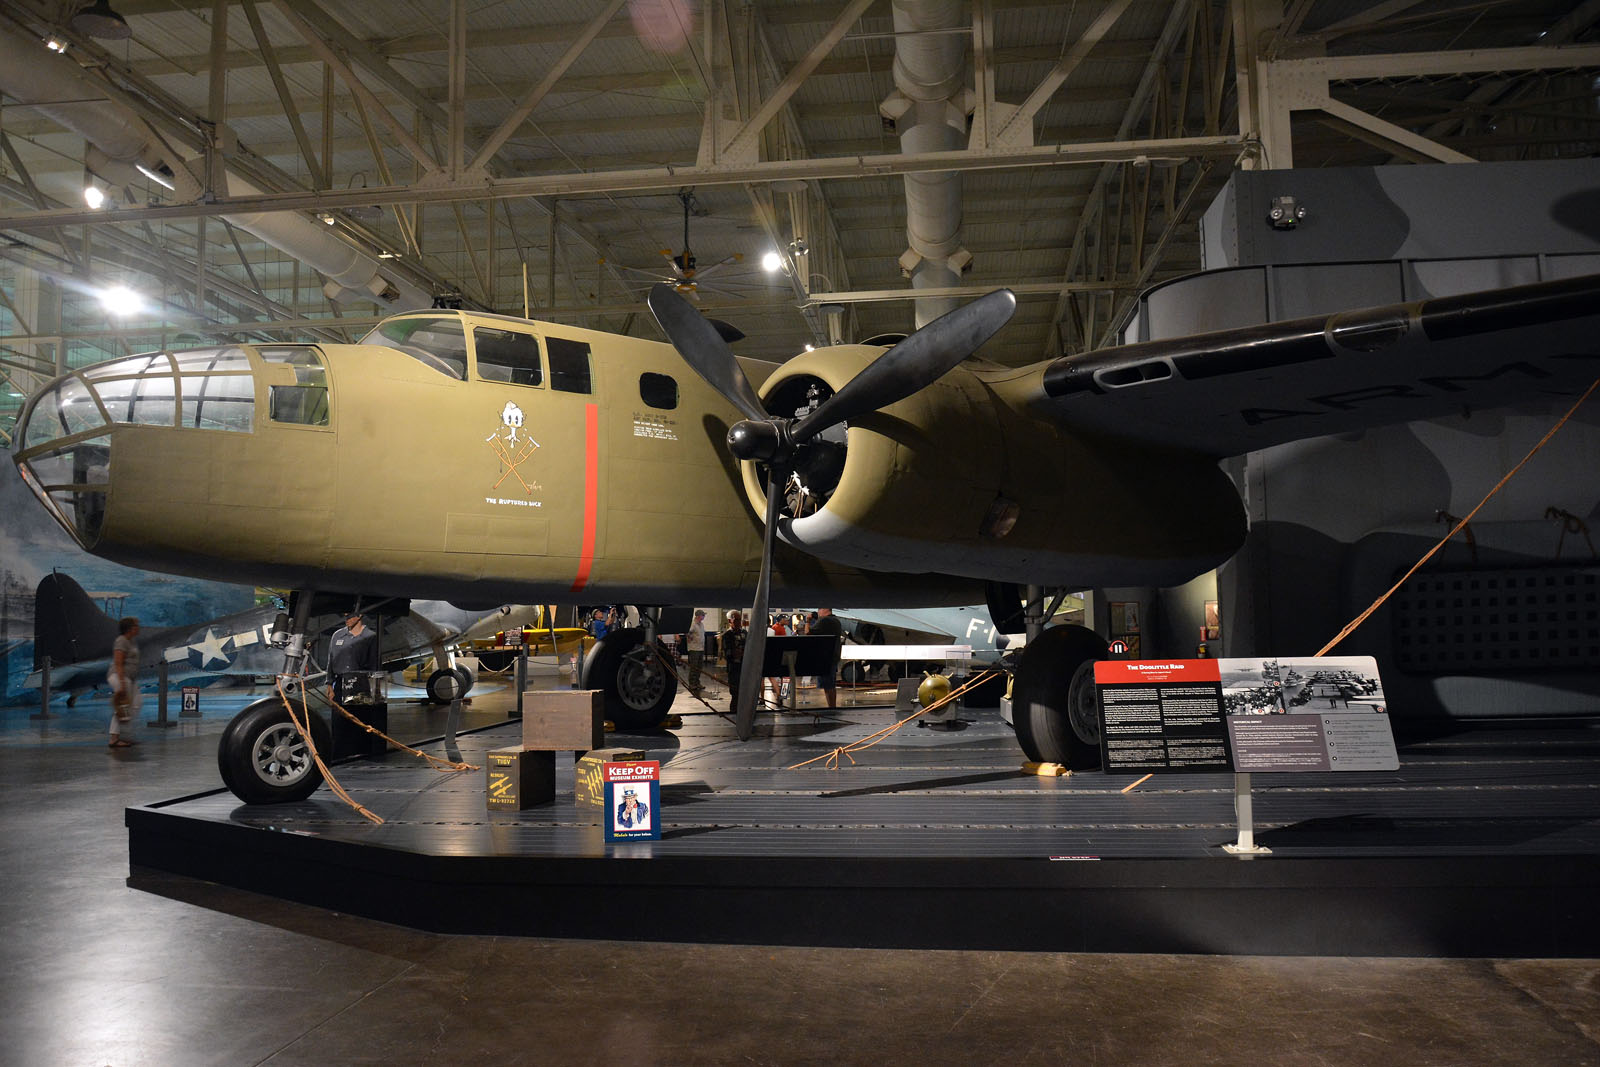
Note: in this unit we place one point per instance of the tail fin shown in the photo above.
(68, 626)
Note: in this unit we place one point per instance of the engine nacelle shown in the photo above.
(962, 479)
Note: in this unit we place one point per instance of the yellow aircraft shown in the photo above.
(482, 459)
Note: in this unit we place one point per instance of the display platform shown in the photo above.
(1486, 842)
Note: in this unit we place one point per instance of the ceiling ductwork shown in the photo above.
(120, 141)
(929, 111)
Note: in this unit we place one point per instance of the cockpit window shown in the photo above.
(507, 356)
(68, 407)
(437, 343)
(218, 402)
(569, 365)
(217, 360)
(67, 444)
(124, 368)
(306, 402)
(147, 401)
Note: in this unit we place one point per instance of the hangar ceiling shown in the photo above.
(270, 165)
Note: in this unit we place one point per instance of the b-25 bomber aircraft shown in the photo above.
(481, 459)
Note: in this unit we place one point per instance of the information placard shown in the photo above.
(1310, 713)
(633, 801)
(1161, 715)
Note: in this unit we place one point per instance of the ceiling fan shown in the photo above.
(687, 274)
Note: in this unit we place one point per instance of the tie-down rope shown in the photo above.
(1376, 604)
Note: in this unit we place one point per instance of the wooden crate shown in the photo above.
(563, 720)
(518, 779)
(589, 787)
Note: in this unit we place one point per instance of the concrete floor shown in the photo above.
(174, 973)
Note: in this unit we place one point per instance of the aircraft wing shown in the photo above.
(1234, 391)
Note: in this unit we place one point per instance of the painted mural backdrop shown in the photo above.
(31, 545)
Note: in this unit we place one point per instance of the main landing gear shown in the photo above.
(1054, 706)
(638, 685)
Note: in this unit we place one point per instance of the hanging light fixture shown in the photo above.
(98, 20)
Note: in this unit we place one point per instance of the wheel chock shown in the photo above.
(672, 722)
(1046, 770)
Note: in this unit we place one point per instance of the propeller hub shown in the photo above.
(762, 441)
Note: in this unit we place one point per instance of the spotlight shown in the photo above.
(55, 44)
(121, 301)
(771, 262)
(98, 20)
(93, 196)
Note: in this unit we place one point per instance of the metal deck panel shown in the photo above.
(1474, 825)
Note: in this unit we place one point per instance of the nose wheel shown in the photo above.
(263, 757)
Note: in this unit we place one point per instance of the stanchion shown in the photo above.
(44, 691)
(161, 719)
(452, 722)
(522, 679)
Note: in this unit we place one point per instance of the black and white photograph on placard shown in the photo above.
(1302, 684)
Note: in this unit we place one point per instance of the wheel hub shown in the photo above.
(281, 755)
(640, 679)
(1083, 704)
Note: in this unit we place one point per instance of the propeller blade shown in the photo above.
(755, 646)
(913, 364)
(698, 342)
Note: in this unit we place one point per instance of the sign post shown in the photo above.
(1246, 844)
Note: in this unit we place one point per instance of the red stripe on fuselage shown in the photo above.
(591, 493)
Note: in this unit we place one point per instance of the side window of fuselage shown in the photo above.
(507, 356)
(569, 365)
(658, 390)
(306, 401)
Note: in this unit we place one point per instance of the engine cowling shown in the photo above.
(961, 479)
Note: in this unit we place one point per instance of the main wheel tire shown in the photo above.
(1054, 706)
(445, 684)
(638, 687)
(263, 758)
(468, 678)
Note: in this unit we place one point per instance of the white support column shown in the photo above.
(1254, 23)
(37, 304)
(457, 133)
